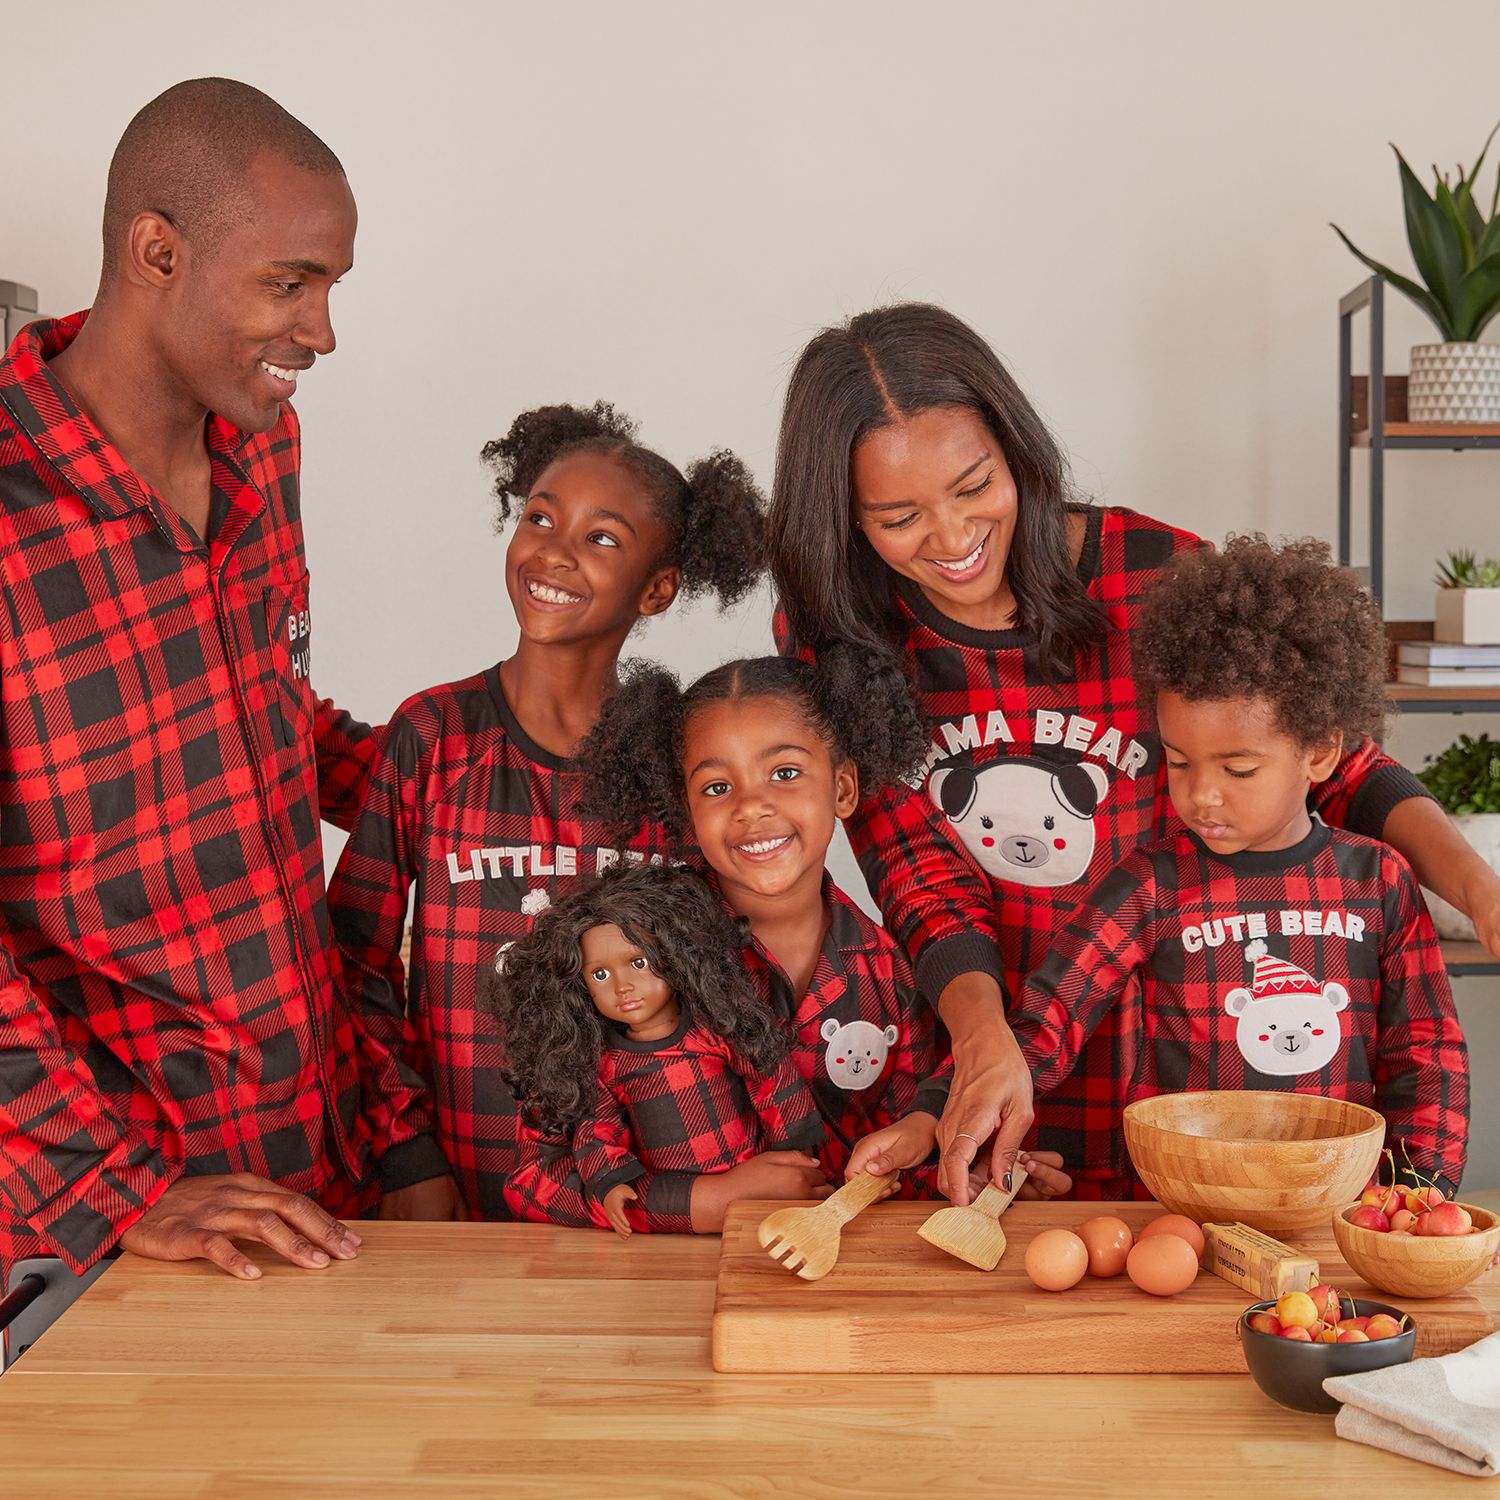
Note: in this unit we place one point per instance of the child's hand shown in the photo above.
(436, 1200)
(907, 1143)
(1044, 1175)
(614, 1208)
(772, 1174)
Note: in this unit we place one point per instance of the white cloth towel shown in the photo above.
(1443, 1411)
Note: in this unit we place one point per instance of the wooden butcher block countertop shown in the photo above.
(507, 1359)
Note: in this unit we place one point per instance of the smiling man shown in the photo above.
(177, 1068)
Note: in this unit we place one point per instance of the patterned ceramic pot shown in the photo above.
(1482, 830)
(1454, 383)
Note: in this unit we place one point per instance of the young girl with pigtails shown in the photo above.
(474, 803)
(631, 1028)
(757, 761)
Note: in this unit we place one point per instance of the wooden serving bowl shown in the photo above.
(1277, 1162)
(1411, 1265)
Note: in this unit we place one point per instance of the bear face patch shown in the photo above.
(1025, 821)
(856, 1053)
(1288, 1024)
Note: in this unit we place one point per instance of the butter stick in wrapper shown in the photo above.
(1248, 1258)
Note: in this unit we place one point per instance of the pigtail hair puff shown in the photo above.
(723, 546)
(630, 771)
(538, 436)
(864, 699)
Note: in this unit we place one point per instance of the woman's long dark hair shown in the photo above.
(550, 1030)
(878, 368)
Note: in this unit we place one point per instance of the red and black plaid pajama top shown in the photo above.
(870, 1049)
(1312, 969)
(169, 999)
(1032, 791)
(484, 823)
(686, 1104)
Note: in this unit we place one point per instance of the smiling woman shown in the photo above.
(922, 507)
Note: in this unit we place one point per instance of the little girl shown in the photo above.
(629, 1024)
(759, 759)
(1256, 948)
(474, 799)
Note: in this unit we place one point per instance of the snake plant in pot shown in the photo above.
(1465, 779)
(1456, 247)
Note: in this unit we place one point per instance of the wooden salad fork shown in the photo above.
(806, 1240)
(973, 1233)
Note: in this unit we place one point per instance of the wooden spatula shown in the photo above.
(806, 1240)
(973, 1233)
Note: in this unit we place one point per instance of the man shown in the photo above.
(177, 1067)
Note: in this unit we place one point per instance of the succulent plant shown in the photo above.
(1463, 571)
(1456, 249)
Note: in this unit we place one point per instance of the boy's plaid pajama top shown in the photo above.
(484, 823)
(1312, 969)
(169, 999)
(1033, 791)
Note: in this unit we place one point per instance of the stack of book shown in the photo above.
(1441, 664)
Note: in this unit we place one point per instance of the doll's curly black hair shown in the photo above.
(858, 702)
(713, 514)
(1274, 622)
(550, 1030)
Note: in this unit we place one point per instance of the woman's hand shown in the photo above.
(907, 1143)
(989, 1103)
(1483, 907)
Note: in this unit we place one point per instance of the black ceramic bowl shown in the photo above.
(1292, 1372)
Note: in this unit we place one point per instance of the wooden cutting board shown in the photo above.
(894, 1303)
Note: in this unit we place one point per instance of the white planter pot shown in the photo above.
(1454, 383)
(1468, 616)
(1482, 830)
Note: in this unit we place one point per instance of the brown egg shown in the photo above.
(1108, 1241)
(1163, 1265)
(1180, 1225)
(1056, 1259)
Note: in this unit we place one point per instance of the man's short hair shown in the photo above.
(187, 156)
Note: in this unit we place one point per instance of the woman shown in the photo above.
(921, 504)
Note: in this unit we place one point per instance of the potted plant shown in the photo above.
(1457, 253)
(1468, 600)
(1465, 779)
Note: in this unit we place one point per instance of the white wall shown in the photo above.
(659, 202)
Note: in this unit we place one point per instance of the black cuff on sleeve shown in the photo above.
(942, 961)
(1377, 794)
(627, 1171)
(413, 1161)
(670, 1197)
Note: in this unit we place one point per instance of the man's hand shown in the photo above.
(614, 1208)
(772, 1174)
(199, 1218)
(436, 1201)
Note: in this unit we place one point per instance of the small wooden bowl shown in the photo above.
(1277, 1162)
(1411, 1265)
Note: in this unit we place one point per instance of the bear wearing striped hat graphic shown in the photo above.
(1288, 1022)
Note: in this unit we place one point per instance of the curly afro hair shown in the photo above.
(713, 514)
(1278, 623)
(552, 1034)
(858, 702)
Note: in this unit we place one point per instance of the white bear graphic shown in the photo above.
(856, 1053)
(1288, 1024)
(1027, 821)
